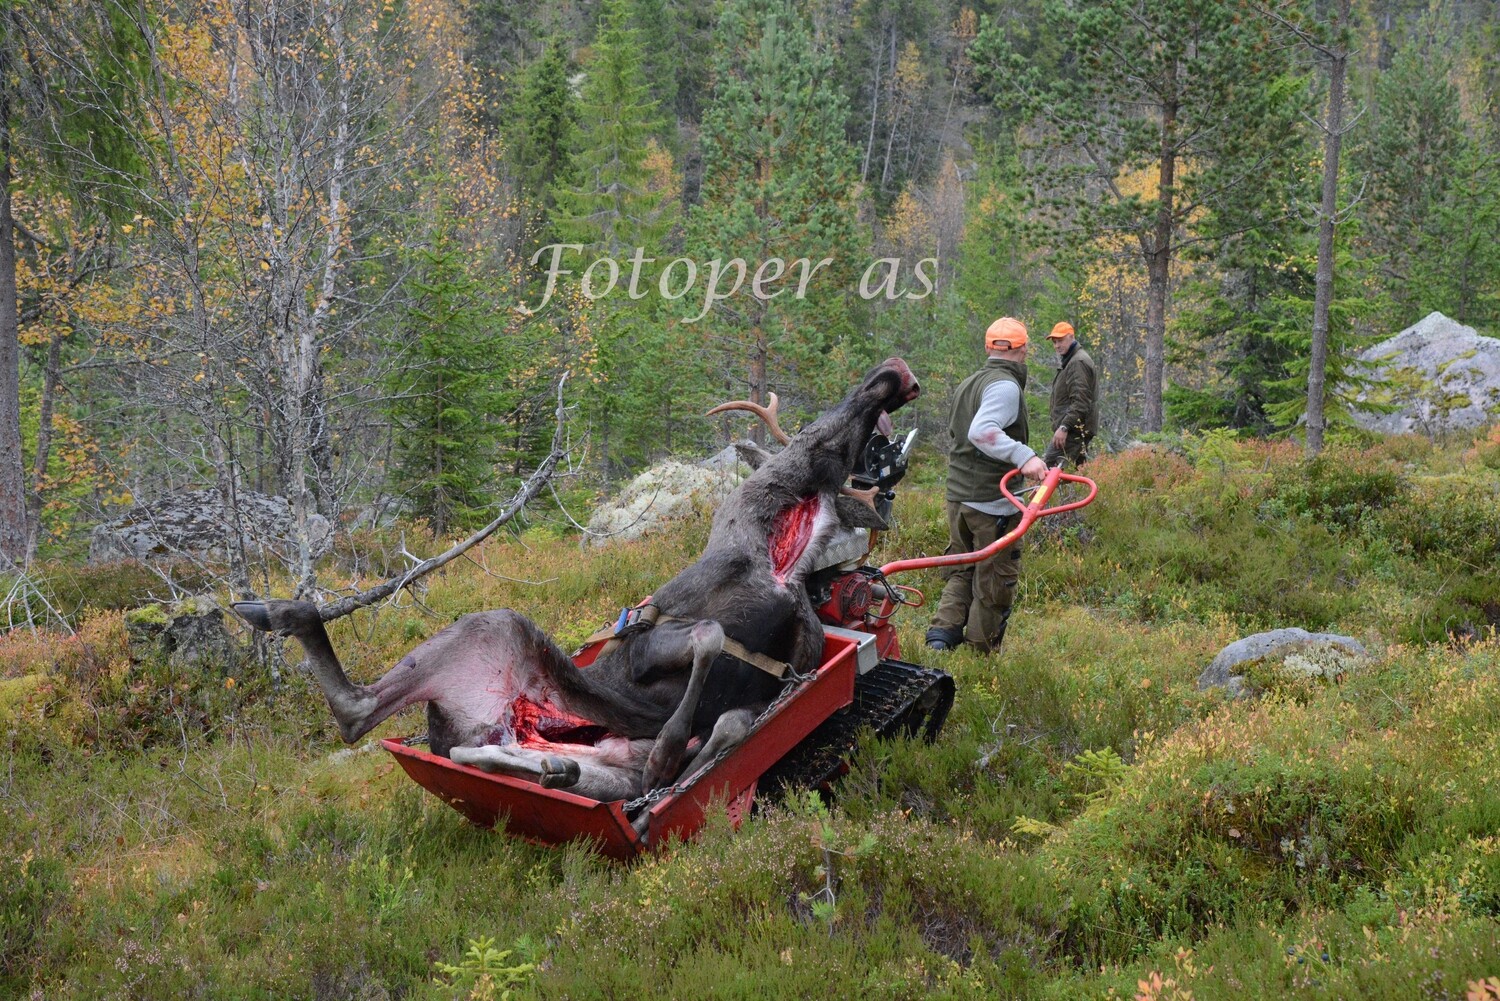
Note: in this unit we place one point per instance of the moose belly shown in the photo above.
(541, 724)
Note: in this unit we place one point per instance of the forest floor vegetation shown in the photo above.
(1088, 825)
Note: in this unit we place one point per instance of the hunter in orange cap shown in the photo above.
(1006, 332)
(989, 438)
(1074, 408)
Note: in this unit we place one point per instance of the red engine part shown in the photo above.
(849, 600)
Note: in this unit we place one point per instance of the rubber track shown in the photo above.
(894, 698)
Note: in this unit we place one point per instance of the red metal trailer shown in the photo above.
(803, 737)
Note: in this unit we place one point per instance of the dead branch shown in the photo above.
(528, 492)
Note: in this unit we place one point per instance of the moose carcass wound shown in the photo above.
(503, 696)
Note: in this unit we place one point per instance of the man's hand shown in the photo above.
(1060, 437)
(1034, 468)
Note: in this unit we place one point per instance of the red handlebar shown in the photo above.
(1029, 514)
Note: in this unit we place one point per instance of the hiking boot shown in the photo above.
(939, 638)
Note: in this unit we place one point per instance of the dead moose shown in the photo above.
(502, 696)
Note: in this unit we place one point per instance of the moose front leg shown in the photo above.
(607, 771)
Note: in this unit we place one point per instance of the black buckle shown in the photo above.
(632, 621)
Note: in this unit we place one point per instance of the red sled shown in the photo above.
(555, 816)
(802, 739)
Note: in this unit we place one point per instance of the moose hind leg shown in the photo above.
(355, 708)
(607, 772)
(729, 732)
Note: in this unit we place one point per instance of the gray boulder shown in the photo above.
(193, 523)
(1290, 652)
(1438, 374)
(665, 493)
(189, 633)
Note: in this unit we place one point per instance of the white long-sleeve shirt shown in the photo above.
(998, 409)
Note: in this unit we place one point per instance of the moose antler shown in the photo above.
(767, 414)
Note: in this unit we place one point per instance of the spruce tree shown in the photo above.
(609, 202)
(1431, 209)
(622, 198)
(1248, 255)
(657, 24)
(777, 184)
(451, 394)
(540, 146)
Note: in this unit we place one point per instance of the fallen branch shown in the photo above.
(527, 493)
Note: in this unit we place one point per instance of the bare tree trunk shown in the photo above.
(1158, 270)
(226, 480)
(12, 470)
(1333, 135)
(864, 171)
(897, 100)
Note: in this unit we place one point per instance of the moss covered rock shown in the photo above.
(1293, 653)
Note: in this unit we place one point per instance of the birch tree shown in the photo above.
(67, 86)
(283, 140)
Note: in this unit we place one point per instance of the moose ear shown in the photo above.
(854, 513)
(752, 454)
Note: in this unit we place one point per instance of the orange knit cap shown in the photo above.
(1006, 332)
(1063, 329)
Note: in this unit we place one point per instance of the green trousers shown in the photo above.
(977, 597)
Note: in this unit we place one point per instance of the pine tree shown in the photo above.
(777, 183)
(1171, 86)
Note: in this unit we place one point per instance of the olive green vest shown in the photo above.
(972, 475)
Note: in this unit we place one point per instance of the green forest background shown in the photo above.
(283, 248)
(286, 248)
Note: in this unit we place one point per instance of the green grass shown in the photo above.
(1089, 825)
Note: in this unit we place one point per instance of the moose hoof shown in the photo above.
(558, 773)
(255, 613)
(284, 617)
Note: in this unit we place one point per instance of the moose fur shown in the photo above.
(501, 695)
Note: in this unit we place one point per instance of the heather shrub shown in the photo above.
(1254, 812)
(1486, 449)
(1088, 824)
(1454, 519)
(1337, 489)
